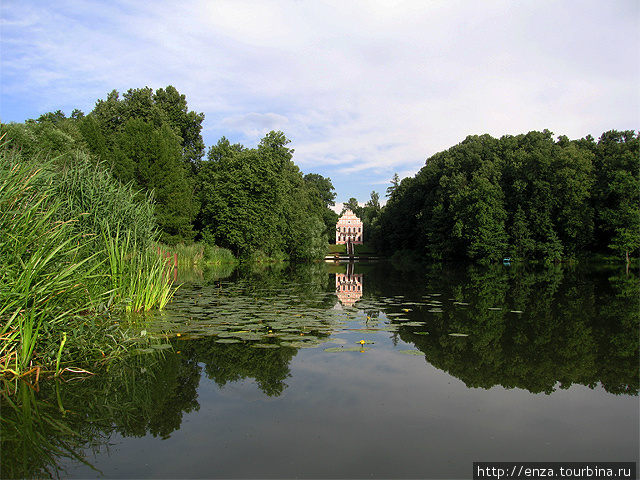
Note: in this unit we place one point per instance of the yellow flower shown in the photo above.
(362, 342)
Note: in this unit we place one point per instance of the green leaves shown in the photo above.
(256, 200)
(152, 140)
(524, 197)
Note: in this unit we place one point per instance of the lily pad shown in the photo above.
(389, 328)
(346, 349)
(300, 344)
(365, 330)
(458, 334)
(227, 340)
(412, 352)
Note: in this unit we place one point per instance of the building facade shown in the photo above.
(349, 286)
(349, 229)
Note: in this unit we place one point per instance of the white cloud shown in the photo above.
(254, 125)
(362, 88)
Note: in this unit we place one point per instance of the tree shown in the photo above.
(154, 141)
(527, 194)
(150, 158)
(395, 182)
(257, 200)
(188, 124)
(323, 191)
(351, 204)
(522, 244)
(617, 190)
(374, 202)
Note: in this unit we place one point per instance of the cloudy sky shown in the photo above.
(363, 89)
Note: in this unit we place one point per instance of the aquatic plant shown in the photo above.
(44, 281)
(138, 276)
(197, 254)
(54, 276)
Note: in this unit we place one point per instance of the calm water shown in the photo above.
(365, 371)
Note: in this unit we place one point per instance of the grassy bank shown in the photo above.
(75, 245)
(199, 254)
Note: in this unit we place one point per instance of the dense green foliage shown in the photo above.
(56, 248)
(254, 201)
(257, 200)
(524, 197)
(152, 140)
(149, 140)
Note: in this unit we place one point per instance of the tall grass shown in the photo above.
(89, 194)
(44, 282)
(64, 254)
(198, 254)
(138, 276)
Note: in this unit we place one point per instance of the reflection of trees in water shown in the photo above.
(226, 363)
(144, 394)
(139, 395)
(576, 326)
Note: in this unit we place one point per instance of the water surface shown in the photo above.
(364, 371)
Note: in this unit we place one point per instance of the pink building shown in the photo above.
(349, 229)
(349, 286)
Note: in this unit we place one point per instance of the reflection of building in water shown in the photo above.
(349, 231)
(349, 286)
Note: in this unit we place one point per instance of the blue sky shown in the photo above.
(363, 89)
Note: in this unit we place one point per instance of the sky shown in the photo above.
(363, 89)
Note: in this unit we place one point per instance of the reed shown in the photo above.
(63, 260)
(138, 276)
(44, 282)
(197, 254)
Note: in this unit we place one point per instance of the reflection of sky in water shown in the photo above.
(378, 413)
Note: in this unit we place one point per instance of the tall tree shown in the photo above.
(322, 189)
(617, 190)
(395, 182)
(257, 200)
(150, 158)
(351, 204)
(154, 141)
(188, 124)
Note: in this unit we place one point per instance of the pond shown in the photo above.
(351, 371)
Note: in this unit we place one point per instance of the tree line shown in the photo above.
(528, 196)
(253, 201)
(525, 197)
